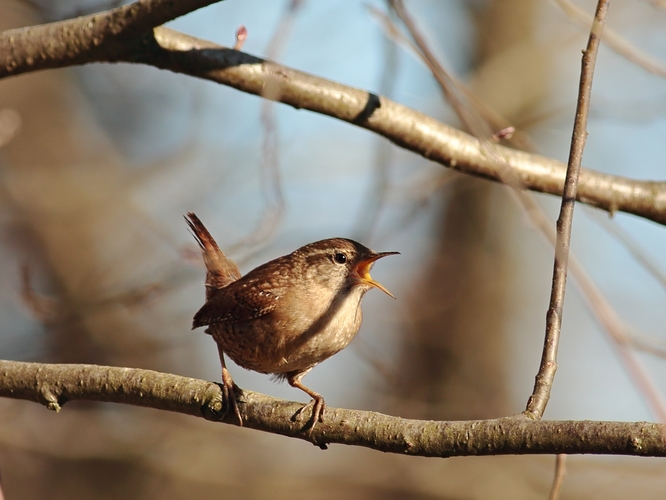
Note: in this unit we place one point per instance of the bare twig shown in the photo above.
(376, 197)
(270, 155)
(646, 343)
(544, 379)
(446, 82)
(615, 328)
(479, 119)
(270, 158)
(622, 341)
(55, 384)
(632, 246)
(558, 479)
(616, 42)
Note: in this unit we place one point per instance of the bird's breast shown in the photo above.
(330, 331)
(286, 341)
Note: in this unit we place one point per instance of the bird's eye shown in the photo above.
(340, 258)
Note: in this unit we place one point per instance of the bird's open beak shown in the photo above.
(363, 271)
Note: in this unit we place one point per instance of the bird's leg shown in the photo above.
(318, 404)
(229, 390)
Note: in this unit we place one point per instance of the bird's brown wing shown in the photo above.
(234, 303)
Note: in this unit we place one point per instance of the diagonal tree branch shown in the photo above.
(111, 37)
(55, 384)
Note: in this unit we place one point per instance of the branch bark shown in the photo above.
(97, 39)
(55, 384)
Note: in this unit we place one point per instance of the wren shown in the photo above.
(288, 315)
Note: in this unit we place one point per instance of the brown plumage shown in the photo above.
(289, 314)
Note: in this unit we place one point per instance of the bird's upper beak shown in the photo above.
(363, 271)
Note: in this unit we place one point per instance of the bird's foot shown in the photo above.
(229, 389)
(318, 406)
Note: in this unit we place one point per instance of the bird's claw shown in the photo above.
(318, 406)
(229, 389)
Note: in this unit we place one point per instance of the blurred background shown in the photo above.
(98, 164)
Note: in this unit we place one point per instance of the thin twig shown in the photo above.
(479, 119)
(558, 479)
(449, 86)
(616, 330)
(646, 342)
(546, 374)
(631, 245)
(270, 158)
(622, 342)
(616, 42)
(376, 197)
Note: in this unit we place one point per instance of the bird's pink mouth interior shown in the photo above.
(363, 271)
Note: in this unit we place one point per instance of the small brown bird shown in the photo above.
(285, 316)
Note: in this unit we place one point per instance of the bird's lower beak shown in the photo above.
(363, 271)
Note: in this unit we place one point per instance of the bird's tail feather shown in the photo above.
(220, 270)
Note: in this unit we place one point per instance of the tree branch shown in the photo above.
(55, 384)
(97, 39)
(548, 366)
(104, 36)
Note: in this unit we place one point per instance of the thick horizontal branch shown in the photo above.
(55, 384)
(33, 48)
(87, 38)
(403, 126)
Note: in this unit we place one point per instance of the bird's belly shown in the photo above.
(271, 351)
(315, 346)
